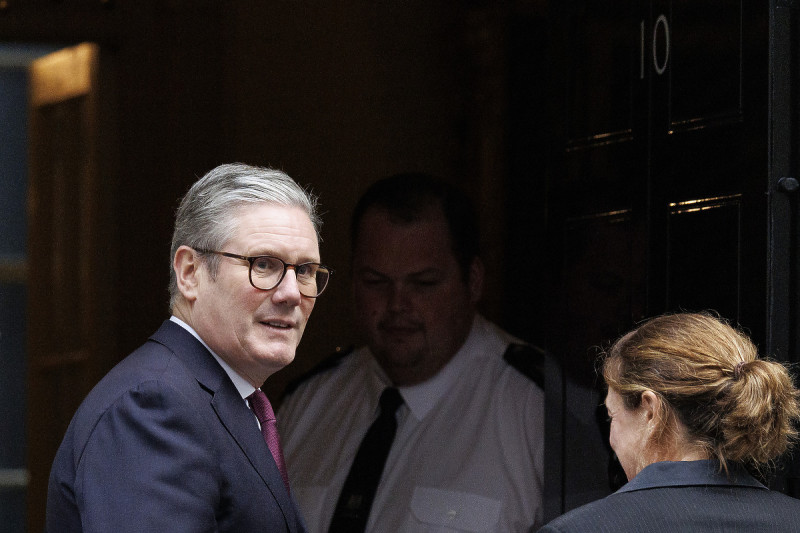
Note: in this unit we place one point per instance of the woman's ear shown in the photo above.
(186, 265)
(650, 405)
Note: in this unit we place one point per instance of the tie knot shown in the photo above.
(390, 400)
(261, 406)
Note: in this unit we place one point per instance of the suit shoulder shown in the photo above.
(593, 516)
(328, 364)
(528, 360)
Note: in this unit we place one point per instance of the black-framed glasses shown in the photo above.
(267, 272)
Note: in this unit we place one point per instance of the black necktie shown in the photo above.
(355, 500)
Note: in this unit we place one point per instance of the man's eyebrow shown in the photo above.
(258, 252)
(367, 270)
(261, 252)
(370, 270)
(425, 272)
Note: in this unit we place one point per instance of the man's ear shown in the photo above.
(186, 265)
(476, 272)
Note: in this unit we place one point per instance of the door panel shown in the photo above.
(704, 256)
(705, 62)
(708, 162)
(70, 241)
(601, 106)
(600, 92)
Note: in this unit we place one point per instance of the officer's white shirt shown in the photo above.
(468, 454)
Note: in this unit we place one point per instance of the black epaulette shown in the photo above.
(529, 360)
(329, 363)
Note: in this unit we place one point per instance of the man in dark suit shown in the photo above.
(178, 436)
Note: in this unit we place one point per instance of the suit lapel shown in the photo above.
(241, 424)
(231, 409)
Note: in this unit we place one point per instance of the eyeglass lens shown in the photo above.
(266, 272)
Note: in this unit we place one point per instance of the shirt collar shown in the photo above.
(688, 473)
(242, 385)
(423, 397)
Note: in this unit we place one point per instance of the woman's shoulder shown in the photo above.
(670, 507)
(589, 517)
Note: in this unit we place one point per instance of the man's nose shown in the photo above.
(398, 298)
(288, 290)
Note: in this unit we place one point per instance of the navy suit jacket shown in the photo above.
(691, 496)
(165, 443)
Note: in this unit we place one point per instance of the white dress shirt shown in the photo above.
(242, 385)
(468, 454)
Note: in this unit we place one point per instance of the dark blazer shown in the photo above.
(166, 443)
(685, 496)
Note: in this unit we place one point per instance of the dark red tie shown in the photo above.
(269, 429)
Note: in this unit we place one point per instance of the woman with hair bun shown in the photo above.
(693, 412)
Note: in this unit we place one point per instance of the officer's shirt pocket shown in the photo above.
(447, 510)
